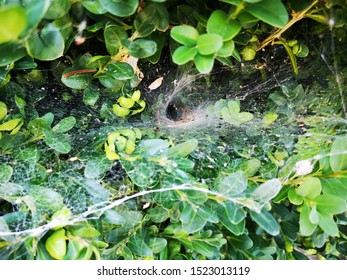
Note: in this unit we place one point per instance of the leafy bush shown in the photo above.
(80, 180)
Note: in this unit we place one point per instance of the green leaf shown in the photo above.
(20, 103)
(120, 8)
(57, 9)
(306, 226)
(46, 199)
(272, 12)
(96, 191)
(266, 191)
(64, 125)
(158, 214)
(204, 63)
(13, 20)
(139, 247)
(10, 125)
(112, 217)
(47, 44)
(338, 159)
(335, 186)
(57, 142)
(6, 172)
(219, 23)
(327, 223)
(56, 244)
(114, 34)
(183, 54)
(85, 231)
(76, 81)
(310, 188)
(14, 51)
(35, 11)
(185, 34)
(266, 221)
(120, 70)
(313, 216)
(233, 185)
(209, 43)
(329, 204)
(97, 166)
(227, 49)
(10, 189)
(120, 111)
(157, 244)
(294, 198)
(90, 96)
(3, 110)
(232, 216)
(183, 149)
(98, 61)
(94, 6)
(141, 48)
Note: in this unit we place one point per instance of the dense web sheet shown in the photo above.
(294, 120)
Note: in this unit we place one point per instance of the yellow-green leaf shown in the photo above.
(126, 102)
(120, 111)
(3, 110)
(9, 125)
(56, 244)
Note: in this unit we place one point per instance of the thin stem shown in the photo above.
(296, 17)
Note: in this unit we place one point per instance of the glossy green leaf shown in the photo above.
(113, 35)
(56, 244)
(232, 216)
(204, 63)
(20, 103)
(13, 20)
(306, 226)
(335, 186)
(6, 172)
(94, 6)
(294, 198)
(57, 142)
(14, 51)
(227, 49)
(57, 9)
(120, 8)
(120, 70)
(97, 61)
(35, 11)
(272, 12)
(141, 48)
(327, 223)
(183, 54)
(47, 44)
(108, 81)
(185, 34)
(310, 188)
(76, 81)
(329, 204)
(266, 221)
(139, 247)
(219, 23)
(64, 125)
(208, 44)
(338, 158)
(85, 231)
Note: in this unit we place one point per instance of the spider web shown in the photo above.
(179, 109)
